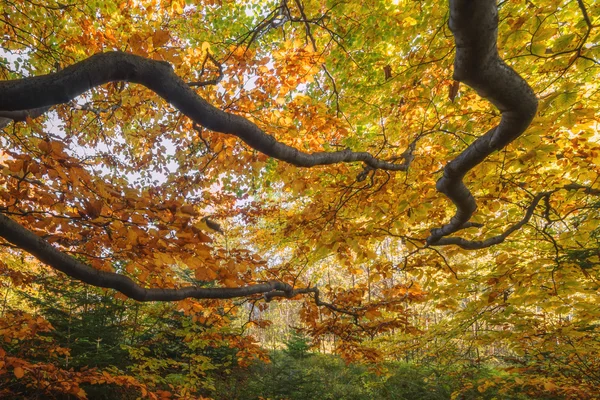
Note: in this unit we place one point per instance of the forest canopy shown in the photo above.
(414, 179)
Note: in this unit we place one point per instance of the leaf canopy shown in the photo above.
(379, 160)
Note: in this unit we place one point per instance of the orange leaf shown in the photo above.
(138, 46)
(57, 147)
(44, 146)
(453, 90)
(205, 274)
(93, 208)
(18, 371)
(160, 38)
(16, 166)
(188, 210)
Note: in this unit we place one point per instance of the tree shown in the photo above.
(171, 150)
(477, 64)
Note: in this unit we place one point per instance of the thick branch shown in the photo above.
(586, 189)
(48, 254)
(474, 25)
(64, 86)
(481, 244)
(477, 64)
(6, 117)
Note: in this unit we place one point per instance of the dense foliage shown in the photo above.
(135, 154)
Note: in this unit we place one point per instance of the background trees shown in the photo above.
(121, 181)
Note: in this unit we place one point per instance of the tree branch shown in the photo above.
(477, 244)
(474, 25)
(481, 244)
(48, 254)
(6, 117)
(158, 76)
(315, 291)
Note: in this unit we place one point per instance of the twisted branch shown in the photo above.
(474, 25)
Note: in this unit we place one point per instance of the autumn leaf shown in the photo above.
(160, 38)
(190, 210)
(138, 45)
(93, 208)
(453, 90)
(19, 372)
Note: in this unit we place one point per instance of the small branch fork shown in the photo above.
(545, 196)
(213, 81)
(474, 25)
(315, 292)
(477, 244)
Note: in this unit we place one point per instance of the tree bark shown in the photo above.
(474, 24)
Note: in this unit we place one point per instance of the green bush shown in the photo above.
(317, 376)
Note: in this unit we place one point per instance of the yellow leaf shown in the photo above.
(409, 21)
(218, 147)
(176, 7)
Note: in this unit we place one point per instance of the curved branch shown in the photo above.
(48, 254)
(481, 244)
(26, 240)
(158, 76)
(6, 117)
(474, 25)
